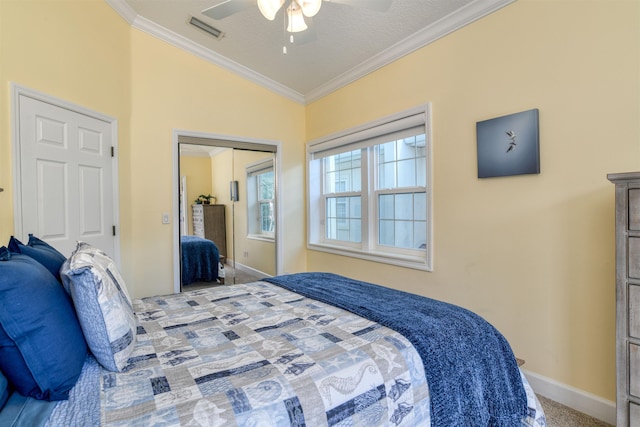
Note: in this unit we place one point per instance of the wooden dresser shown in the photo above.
(209, 222)
(627, 297)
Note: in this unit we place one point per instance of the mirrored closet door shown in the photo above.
(227, 209)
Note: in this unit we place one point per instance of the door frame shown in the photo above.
(19, 90)
(175, 193)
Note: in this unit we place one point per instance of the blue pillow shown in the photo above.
(42, 349)
(41, 251)
(103, 305)
(4, 390)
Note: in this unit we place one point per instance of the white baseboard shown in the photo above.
(249, 270)
(587, 403)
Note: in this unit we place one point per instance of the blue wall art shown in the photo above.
(509, 145)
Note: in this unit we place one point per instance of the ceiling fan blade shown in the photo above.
(377, 5)
(227, 8)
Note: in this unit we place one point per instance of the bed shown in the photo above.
(312, 349)
(199, 260)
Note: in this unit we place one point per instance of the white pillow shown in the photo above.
(103, 305)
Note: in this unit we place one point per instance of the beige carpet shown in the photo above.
(559, 415)
(231, 278)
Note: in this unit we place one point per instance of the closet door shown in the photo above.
(242, 220)
(252, 195)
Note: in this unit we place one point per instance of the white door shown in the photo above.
(66, 177)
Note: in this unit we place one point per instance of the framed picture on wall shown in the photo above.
(509, 145)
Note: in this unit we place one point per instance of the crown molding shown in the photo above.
(450, 23)
(143, 24)
(446, 25)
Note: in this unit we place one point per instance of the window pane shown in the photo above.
(407, 173)
(356, 179)
(344, 220)
(420, 206)
(342, 172)
(266, 217)
(421, 172)
(405, 149)
(420, 235)
(404, 206)
(331, 228)
(402, 220)
(331, 207)
(387, 175)
(387, 152)
(355, 230)
(355, 210)
(404, 234)
(265, 185)
(329, 182)
(401, 163)
(386, 206)
(386, 233)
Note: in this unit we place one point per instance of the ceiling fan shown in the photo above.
(296, 10)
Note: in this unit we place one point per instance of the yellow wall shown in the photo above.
(76, 51)
(533, 254)
(172, 89)
(84, 52)
(197, 170)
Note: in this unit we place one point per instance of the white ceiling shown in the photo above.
(348, 41)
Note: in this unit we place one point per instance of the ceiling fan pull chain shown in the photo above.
(284, 34)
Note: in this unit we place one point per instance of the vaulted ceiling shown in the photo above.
(346, 40)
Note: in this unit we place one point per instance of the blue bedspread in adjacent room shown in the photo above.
(200, 258)
(472, 374)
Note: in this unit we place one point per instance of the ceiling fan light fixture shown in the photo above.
(296, 19)
(269, 8)
(310, 7)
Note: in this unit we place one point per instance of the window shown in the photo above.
(261, 200)
(369, 192)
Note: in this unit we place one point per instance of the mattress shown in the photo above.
(259, 354)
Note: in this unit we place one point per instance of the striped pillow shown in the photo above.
(103, 305)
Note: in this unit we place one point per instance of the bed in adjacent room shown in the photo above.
(311, 349)
(199, 259)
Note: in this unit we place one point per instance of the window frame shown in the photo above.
(253, 171)
(365, 138)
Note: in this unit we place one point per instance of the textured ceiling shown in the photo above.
(346, 41)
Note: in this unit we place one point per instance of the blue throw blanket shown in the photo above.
(199, 258)
(472, 373)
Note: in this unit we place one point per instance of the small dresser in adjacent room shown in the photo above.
(209, 223)
(627, 297)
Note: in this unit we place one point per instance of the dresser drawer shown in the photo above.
(634, 257)
(634, 311)
(634, 370)
(634, 415)
(634, 209)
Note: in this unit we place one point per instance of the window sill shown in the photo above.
(261, 238)
(416, 263)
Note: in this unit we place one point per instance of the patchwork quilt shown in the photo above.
(259, 355)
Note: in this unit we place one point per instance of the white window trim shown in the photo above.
(255, 169)
(368, 130)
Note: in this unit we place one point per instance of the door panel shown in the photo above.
(51, 179)
(66, 176)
